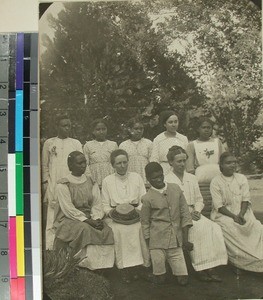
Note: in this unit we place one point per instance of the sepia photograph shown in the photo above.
(151, 144)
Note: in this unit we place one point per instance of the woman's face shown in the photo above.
(100, 132)
(205, 131)
(136, 131)
(79, 165)
(228, 166)
(171, 124)
(178, 164)
(121, 164)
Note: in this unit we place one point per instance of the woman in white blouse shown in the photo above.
(209, 247)
(165, 140)
(118, 188)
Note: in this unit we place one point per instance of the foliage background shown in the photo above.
(117, 59)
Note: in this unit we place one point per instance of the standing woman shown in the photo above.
(138, 148)
(120, 189)
(232, 210)
(54, 167)
(203, 159)
(204, 152)
(165, 140)
(209, 247)
(78, 217)
(98, 151)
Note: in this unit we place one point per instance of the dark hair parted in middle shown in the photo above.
(165, 115)
(116, 153)
(173, 151)
(152, 167)
(72, 157)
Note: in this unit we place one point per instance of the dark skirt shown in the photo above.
(80, 234)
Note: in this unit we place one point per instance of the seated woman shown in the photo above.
(243, 233)
(78, 217)
(209, 247)
(119, 188)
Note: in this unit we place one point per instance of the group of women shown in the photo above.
(102, 178)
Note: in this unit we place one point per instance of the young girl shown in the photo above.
(204, 152)
(203, 159)
(97, 152)
(138, 148)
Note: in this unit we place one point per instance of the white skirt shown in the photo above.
(129, 244)
(209, 246)
(97, 257)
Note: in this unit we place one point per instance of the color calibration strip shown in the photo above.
(23, 243)
(4, 248)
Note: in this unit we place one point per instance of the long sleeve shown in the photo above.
(155, 151)
(150, 149)
(199, 201)
(45, 161)
(86, 154)
(146, 219)
(216, 195)
(190, 162)
(105, 197)
(186, 219)
(245, 190)
(97, 209)
(79, 146)
(142, 192)
(221, 148)
(66, 205)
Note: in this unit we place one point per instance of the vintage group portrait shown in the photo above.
(151, 149)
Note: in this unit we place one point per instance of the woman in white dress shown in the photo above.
(232, 210)
(204, 152)
(209, 247)
(203, 159)
(118, 188)
(54, 166)
(165, 140)
(97, 152)
(138, 148)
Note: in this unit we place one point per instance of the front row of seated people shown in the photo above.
(131, 227)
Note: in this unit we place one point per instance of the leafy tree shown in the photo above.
(107, 60)
(220, 47)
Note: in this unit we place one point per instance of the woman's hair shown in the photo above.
(116, 153)
(95, 122)
(165, 115)
(222, 158)
(72, 157)
(133, 121)
(203, 119)
(152, 167)
(173, 151)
